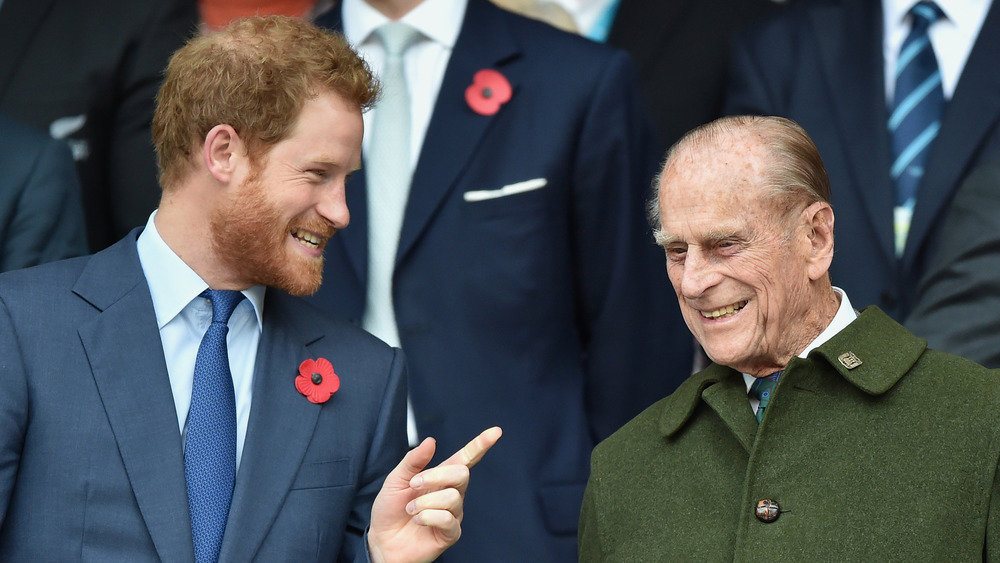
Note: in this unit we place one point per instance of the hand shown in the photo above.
(418, 514)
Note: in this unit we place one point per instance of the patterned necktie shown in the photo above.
(918, 102)
(387, 166)
(761, 390)
(210, 447)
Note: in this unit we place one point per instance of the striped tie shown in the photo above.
(917, 106)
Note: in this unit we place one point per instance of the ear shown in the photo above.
(819, 219)
(224, 152)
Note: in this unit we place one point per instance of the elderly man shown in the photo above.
(865, 444)
(170, 398)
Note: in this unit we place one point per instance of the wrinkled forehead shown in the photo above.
(726, 175)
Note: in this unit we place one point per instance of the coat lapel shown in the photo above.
(970, 115)
(724, 391)
(846, 58)
(728, 398)
(18, 21)
(455, 130)
(278, 433)
(126, 358)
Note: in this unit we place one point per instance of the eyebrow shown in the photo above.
(713, 236)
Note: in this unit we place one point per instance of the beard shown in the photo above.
(251, 239)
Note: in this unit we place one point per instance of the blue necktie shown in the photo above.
(761, 390)
(210, 448)
(918, 102)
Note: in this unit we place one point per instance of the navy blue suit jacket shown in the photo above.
(820, 63)
(547, 312)
(41, 217)
(91, 463)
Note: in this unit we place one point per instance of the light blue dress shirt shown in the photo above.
(182, 317)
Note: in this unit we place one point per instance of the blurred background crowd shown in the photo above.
(503, 243)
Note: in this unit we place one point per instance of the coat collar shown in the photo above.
(880, 368)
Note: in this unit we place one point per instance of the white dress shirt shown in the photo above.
(439, 22)
(951, 36)
(845, 316)
(183, 319)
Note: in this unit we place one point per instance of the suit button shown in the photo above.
(767, 510)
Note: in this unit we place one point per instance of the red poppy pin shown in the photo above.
(316, 380)
(489, 90)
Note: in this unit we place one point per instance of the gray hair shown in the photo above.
(795, 174)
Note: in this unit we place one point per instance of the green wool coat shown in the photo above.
(892, 460)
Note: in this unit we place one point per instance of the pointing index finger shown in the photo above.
(474, 451)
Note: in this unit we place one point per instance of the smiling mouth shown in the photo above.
(727, 311)
(307, 239)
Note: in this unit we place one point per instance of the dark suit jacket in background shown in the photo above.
(88, 72)
(820, 63)
(91, 463)
(681, 53)
(958, 302)
(547, 312)
(41, 217)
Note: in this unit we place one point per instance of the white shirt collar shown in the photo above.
(172, 283)
(437, 20)
(845, 316)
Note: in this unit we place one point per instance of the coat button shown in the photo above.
(767, 510)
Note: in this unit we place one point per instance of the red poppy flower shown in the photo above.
(316, 380)
(489, 90)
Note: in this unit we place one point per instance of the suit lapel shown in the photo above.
(18, 21)
(972, 112)
(455, 130)
(126, 357)
(355, 238)
(280, 428)
(847, 58)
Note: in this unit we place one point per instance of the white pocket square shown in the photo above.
(509, 189)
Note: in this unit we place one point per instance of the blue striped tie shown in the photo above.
(210, 446)
(918, 103)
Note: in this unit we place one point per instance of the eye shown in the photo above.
(728, 247)
(318, 173)
(676, 253)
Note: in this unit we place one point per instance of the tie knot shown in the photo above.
(762, 386)
(924, 14)
(224, 302)
(396, 37)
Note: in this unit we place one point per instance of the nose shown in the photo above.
(699, 273)
(333, 206)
